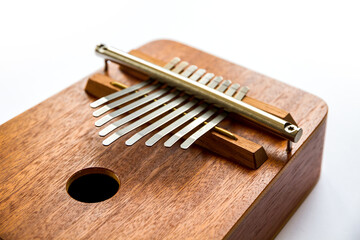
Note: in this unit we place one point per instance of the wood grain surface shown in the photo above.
(165, 193)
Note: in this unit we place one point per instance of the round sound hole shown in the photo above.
(92, 185)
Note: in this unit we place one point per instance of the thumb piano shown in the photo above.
(185, 146)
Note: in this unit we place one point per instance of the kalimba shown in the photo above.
(191, 147)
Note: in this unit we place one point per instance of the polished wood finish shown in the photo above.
(165, 193)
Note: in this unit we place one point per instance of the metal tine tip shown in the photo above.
(180, 67)
(241, 93)
(190, 70)
(232, 89)
(199, 120)
(206, 78)
(215, 82)
(172, 63)
(224, 86)
(199, 73)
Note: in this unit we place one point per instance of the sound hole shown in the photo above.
(92, 185)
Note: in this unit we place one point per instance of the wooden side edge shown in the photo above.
(272, 209)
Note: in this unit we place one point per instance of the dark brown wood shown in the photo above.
(165, 192)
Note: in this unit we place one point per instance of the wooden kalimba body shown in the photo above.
(239, 181)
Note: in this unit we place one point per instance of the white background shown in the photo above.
(313, 45)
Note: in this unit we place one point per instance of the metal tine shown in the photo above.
(174, 138)
(123, 92)
(198, 74)
(131, 106)
(180, 67)
(207, 127)
(143, 120)
(126, 99)
(241, 94)
(155, 138)
(170, 65)
(146, 108)
(173, 114)
(114, 95)
(232, 89)
(174, 125)
(205, 79)
(199, 120)
(160, 122)
(190, 70)
(138, 113)
(215, 82)
(224, 86)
